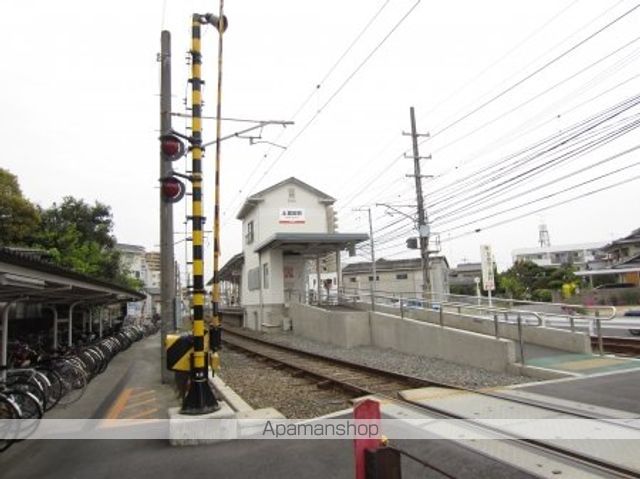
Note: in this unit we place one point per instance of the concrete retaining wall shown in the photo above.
(346, 329)
(424, 339)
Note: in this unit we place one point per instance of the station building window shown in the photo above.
(402, 276)
(265, 275)
(249, 235)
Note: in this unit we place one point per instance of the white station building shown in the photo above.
(284, 227)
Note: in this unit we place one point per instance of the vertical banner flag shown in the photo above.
(486, 258)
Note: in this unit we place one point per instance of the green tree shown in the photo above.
(523, 279)
(19, 218)
(562, 275)
(79, 236)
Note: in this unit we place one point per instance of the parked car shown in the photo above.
(632, 312)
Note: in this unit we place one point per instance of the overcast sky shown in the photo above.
(489, 80)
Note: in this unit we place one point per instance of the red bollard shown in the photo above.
(370, 411)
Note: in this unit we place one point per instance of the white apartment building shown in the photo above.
(577, 254)
(133, 258)
(285, 226)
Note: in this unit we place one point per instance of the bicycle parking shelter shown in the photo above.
(26, 279)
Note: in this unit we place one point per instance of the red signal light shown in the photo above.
(171, 146)
(172, 189)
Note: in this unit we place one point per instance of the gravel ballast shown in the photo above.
(261, 385)
(437, 370)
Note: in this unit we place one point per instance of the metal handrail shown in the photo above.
(593, 308)
(474, 299)
(490, 309)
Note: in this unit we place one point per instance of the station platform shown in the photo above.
(130, 388)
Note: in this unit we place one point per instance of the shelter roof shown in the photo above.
(311, 244)
(25, 278)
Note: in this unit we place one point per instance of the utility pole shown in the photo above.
(423, 222)
(373, 257)
(167, 268)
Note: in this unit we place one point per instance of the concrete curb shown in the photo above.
(229, 395)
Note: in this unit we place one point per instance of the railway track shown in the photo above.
(356, 378)
(364, 380)
(619, 345)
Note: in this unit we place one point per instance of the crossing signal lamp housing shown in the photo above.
(172, 189)
(172, 147)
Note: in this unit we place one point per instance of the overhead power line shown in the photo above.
(534, 73)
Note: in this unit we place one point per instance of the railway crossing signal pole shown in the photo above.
(199, 398)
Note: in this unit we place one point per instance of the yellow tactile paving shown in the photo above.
(589, 364)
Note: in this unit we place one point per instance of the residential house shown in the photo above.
(397, 277)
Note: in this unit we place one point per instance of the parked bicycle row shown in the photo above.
(35, 382)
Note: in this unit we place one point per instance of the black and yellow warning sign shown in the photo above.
(179, 348)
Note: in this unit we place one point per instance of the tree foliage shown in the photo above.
(78, 235)
(527, 280)
(19, 218)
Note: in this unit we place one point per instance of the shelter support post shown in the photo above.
(5, 337)
(70, 323)
(338, 275)
(319, 289)
(54, 310)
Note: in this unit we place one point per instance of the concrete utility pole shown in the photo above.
(423, 222)
(373, 287)
(167, 271)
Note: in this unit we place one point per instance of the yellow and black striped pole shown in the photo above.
(199, 398)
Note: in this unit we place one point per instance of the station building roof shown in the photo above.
(232, 269)
(253, 200)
